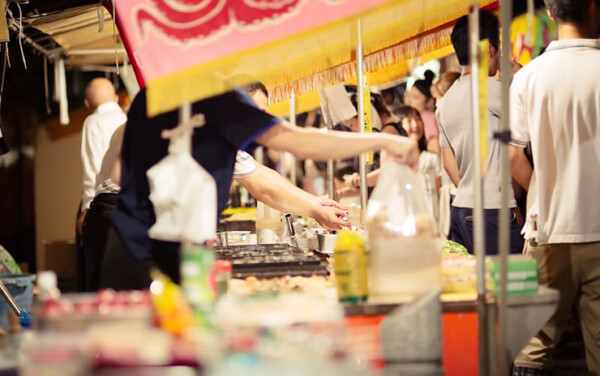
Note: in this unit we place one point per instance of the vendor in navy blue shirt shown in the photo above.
(232, 123)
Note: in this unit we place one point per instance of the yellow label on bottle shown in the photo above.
(351, 266)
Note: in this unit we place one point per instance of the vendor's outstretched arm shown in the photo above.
(274, 190)
(313, 144)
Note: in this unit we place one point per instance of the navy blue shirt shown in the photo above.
(232, 122)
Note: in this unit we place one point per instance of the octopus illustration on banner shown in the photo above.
(195, 21)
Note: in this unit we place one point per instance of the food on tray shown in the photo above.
(315, 285)
(453, 247)
(105, 302)
(459, 273)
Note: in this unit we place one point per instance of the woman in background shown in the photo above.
(419, 96)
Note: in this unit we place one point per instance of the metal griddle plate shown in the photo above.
(271, 261)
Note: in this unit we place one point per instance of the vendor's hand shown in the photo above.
(330, 217)
(332, 203)
(404, 150)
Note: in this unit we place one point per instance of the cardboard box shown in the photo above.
(61, 258)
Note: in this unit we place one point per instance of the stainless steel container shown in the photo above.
(236, 238)
(326, 243)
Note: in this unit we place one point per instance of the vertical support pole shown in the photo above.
(361, 116)
(330, 175)
(504, 234)
(478, 225)
(185, 116)
(293, 124)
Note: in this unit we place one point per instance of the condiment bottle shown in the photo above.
(351, 267)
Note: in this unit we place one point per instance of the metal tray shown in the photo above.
(271, 261)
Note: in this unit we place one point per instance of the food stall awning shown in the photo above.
(83, 35)
(215, 45)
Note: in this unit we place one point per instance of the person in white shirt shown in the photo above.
(106, 116)
(555, 105)
(456, 140)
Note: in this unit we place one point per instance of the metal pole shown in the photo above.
(360, 81)
(293, 124)
(504, 234)
(12, 303)
(185, 116)
(330, 175)
(478, 225)
(97, 51)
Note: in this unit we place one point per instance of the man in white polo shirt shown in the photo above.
(555, 105)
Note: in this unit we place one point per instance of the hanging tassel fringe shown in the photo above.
(375, 62)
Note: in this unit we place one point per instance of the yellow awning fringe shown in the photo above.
(376, 62)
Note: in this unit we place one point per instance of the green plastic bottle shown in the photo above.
(197, 281)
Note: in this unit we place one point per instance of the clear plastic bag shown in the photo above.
(404, 258)
(399, 203)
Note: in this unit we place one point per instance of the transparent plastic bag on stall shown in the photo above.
(404, 259)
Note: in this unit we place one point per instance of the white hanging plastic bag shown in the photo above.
(184, 197)
(183, 194)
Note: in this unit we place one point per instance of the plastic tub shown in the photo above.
(21, 288)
